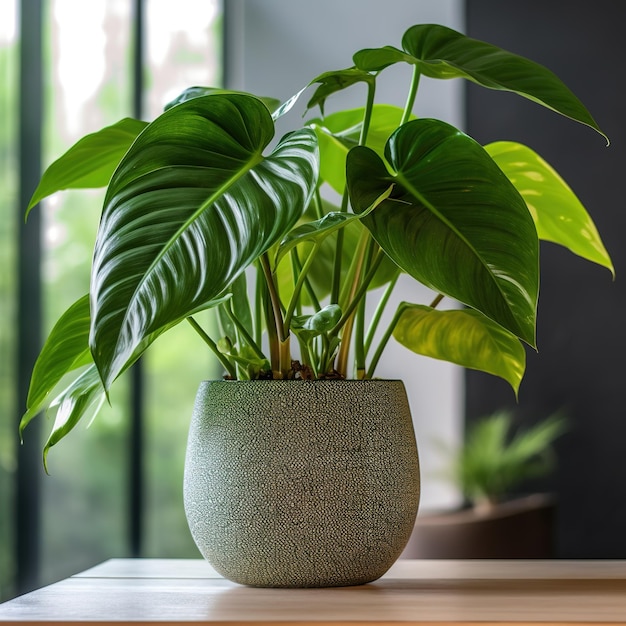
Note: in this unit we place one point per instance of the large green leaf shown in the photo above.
(440, 52)
(559, 215)
(192, 204)
(454, 221)
(90, 162)
(464, 337)
(65, 350)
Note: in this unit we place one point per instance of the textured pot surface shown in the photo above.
(301, 483)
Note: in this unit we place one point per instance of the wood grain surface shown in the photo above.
(157, 591)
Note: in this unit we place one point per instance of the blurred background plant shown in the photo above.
(496, 457)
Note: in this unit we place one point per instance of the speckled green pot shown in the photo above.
(301, 483)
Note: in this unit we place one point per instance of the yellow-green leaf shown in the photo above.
(559, 215)
(464, 337)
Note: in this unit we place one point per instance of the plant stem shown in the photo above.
(389, 332)
(295, 298)
(358, 289)
(367, 116)
(228, 366)
(380, 308)
(274, 299)
(243, 331)
(356, 295)
(281, 356)
(410, 101)
(307, 283)
(438, 298)
(359, 328)
(336, 276)
(383, 342)
(258, 307)
(272, 336)
(317, 204)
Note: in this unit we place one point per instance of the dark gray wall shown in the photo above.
(580, 365)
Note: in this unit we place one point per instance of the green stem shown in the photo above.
(351, 288)
(295, 298)
(385, 339)
(410, 101)
(367, 116)
(358, 294)
(258, 308)
(336, 276)
(380, 308)
(307, 283)
(383, 342)
(317, 204)
(228, 366)
(436, 301)
(274, 299)
(359, 327)
(243, 331)
(270, 326)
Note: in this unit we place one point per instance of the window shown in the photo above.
(81, 512)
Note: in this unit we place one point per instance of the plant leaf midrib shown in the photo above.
(442, 218)
(255, 159)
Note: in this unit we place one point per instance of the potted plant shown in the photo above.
(199, 213)
(489, 467)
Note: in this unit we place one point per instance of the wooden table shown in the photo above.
(156, 591)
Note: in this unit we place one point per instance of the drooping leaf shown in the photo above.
(338, 80)
(192, 204)
(464, 337)
(90, 162)
(66, 349)
(85, 393)
(559, 215)
(441, 52)
(454, 221)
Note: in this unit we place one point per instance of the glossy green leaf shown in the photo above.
(84, 394)
(90, 162)
(440, 52)
(197, 92)
(559, 215)
(454, 221)
(192, 204)
(309, 326)
(66, 349)
(313, 231)
(464, 337)
(333, 82)
(320, 229)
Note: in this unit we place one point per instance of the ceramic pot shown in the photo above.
(301, 483)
